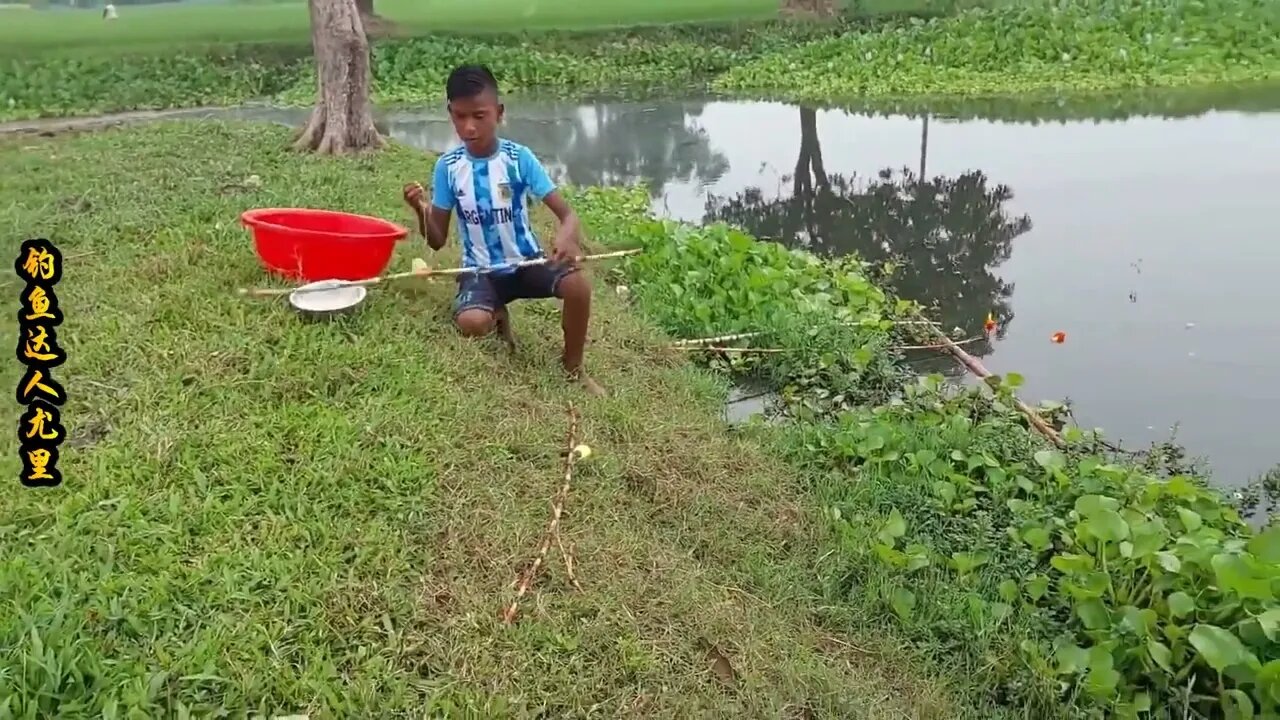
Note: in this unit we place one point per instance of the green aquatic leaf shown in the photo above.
(1181, 604)
(1102, 678)
(1160, 654)
(965, 563)
(1050, 460)
(1240, 574)
(894, 528)
(1083, 586)
(889, 555)
(1148, 538)
(1036, 586)
(924, 458)
(1191, 520)
(1107, 525)
(1008, 590)
(1236, 705)
(1266, 545)
(1139, 621)
(1037, 538)
(945, 491)
(1069, 563)
(903, 602)
(1019, 507)
(1071, 659)
(1269, 621)
(1169, 561)
(1093, 614)
(1088, 505)
(1219, 648)
(1268, 681)
(1181, 487)
(917, 557)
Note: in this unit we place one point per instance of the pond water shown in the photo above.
(1142, 227)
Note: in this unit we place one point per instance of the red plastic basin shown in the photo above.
(312, 245)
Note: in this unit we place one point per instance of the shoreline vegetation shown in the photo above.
(999, 575)
(1042, 48)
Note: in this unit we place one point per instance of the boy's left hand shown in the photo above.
(566, 250)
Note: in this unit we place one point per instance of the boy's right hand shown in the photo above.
(414, 194)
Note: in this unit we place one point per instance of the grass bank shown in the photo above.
(265, 516)
(1070, 581)
(1041, 47)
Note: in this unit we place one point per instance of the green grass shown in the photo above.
(264, 515)
(182, 26)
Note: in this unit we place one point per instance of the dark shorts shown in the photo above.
(492, 291)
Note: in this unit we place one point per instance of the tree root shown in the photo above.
(335, 138)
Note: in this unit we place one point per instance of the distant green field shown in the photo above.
(24, 33)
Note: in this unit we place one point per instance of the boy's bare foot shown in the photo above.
(591, 386)
(502, 324)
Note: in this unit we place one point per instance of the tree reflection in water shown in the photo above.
(946, 236)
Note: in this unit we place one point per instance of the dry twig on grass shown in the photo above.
(553, 528)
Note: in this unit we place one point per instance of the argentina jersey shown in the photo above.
(493, 198)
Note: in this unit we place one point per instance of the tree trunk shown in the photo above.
(365, 8)
(343, 119)
(809, 166)
(924, 145)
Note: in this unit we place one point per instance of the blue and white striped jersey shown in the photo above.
(492, 197)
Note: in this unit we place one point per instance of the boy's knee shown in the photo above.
(474, 323)
(574, 287)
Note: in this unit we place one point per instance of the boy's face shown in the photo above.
(476, 119)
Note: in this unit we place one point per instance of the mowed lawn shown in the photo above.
(265, 515)
(139, 28)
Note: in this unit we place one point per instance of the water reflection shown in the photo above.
(946, 235)
(653, 144)
(623, 144)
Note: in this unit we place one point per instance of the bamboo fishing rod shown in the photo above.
(269, 292)
(972, 364)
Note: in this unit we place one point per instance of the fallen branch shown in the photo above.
(713, 348)
(269, 292)
(941, 346)
(553, 528)
(971, 363)
(745, 335)
(716, 339)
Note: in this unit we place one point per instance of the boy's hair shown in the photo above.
(468, 81)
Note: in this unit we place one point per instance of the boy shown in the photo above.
(492, 183)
